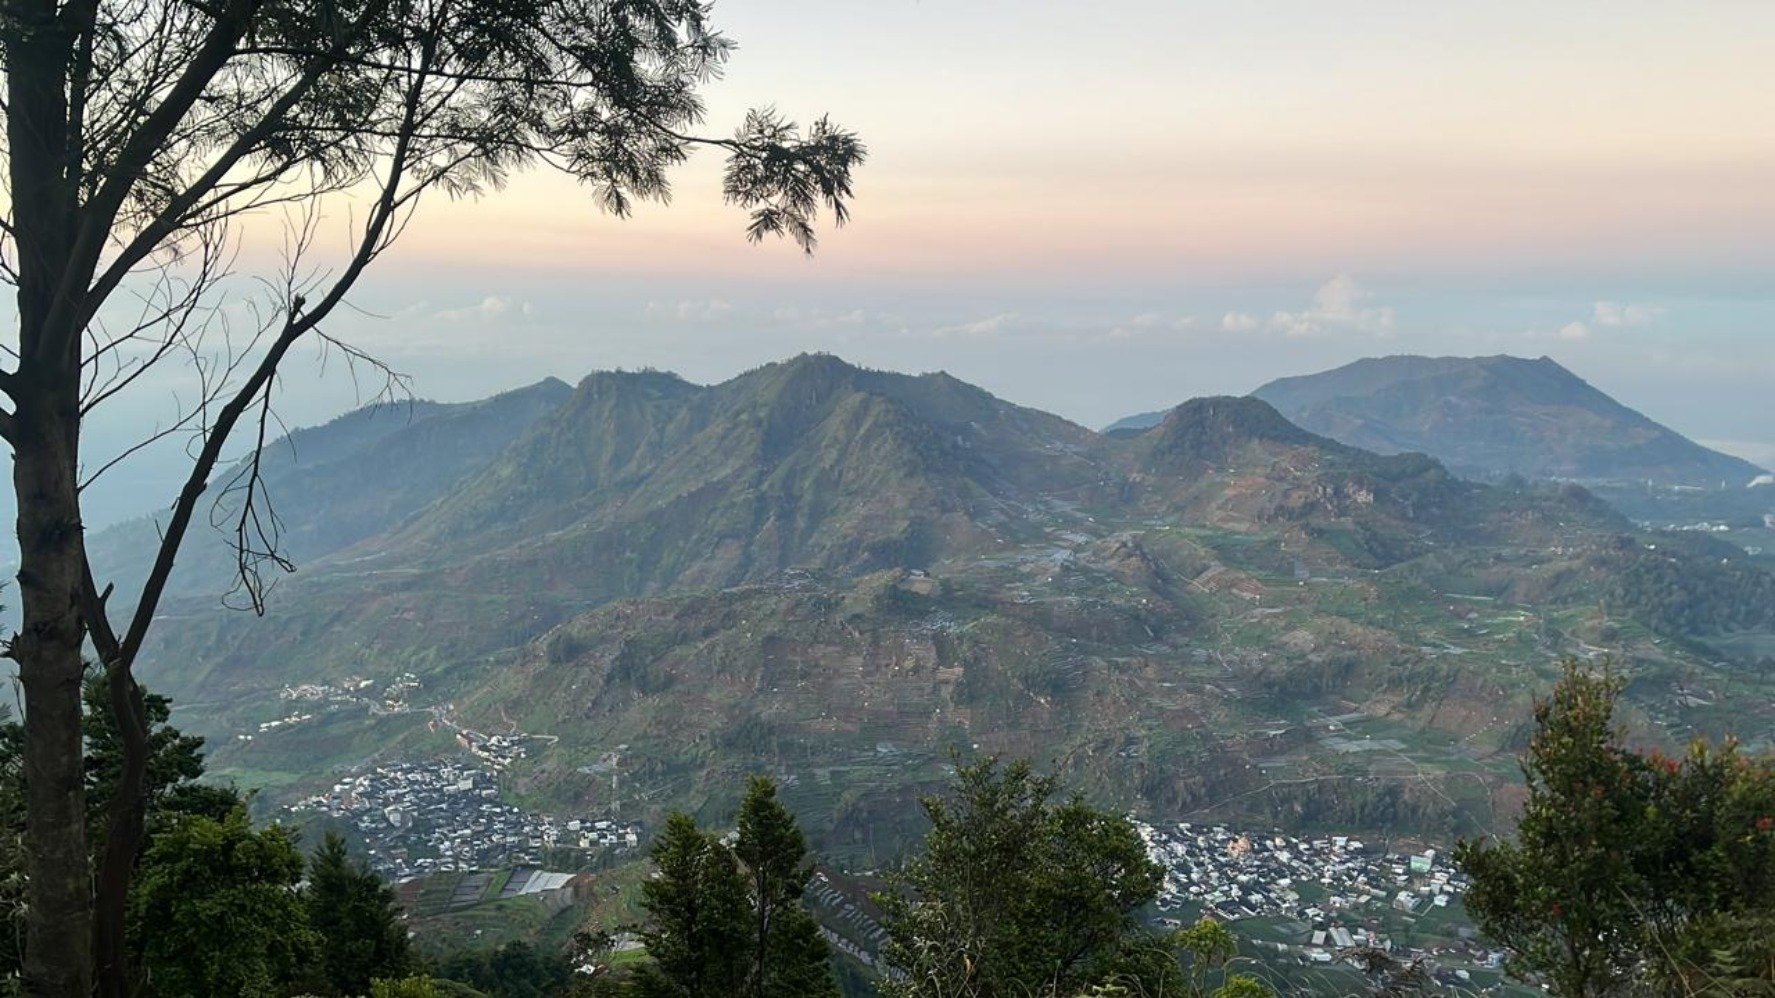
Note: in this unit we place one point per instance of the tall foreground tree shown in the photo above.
(353, 913)
(1631, 870)
(139, 134)
(732, 921)
(1017, 895)
(175, 763)
(696, 916)
(788, 958)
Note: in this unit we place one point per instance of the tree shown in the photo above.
(727, 921)
(404, 987)
(170, 789)
(139, 134)
(1212, 949)
(1630, 867)
(1561, 896)
(511, 970)
(788, 957)
(217, 911)
(1017, 895)
(697, 924)
(353, 913)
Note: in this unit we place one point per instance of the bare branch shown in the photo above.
(147, 141)
(179, 208)
(256, 529)
(299, 319)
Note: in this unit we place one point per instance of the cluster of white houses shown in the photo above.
(1231, 874)
(420, 818)
(1340, 891)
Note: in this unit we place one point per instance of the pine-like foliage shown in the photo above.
(788, 958)
(1017, 895)
(353, 912)
(696, 916)
(731, 922)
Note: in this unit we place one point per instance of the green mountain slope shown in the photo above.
(839, 574)
(333, 485)
(644, 481)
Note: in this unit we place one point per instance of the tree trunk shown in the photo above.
(123, 837)
(45, 435)
(58, 920)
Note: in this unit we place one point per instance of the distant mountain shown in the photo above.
(1136, 424)
(333, 485)
(838, 575)
(643, 480)
(1493, 416)
(1487, 417)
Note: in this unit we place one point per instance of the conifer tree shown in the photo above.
(696, 929)
(1016, 895)
(353, 913)
(788, 957)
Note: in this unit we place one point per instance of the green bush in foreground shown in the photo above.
(1631, 871)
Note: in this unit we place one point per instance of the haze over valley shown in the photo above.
(525, 500)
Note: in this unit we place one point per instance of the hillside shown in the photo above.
(839, 575)
(1492, 416)
(333, 485)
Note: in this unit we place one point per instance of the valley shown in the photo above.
(841, 576)
(852, 580)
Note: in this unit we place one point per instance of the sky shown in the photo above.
(1099, 209)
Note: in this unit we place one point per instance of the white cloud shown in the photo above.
(1238, 322)
(1614, 314)
(1574, 331)
(689, 311)
(992, 325)
(1148, 324)
(1339, 304)
(819, 318)
(490, 307)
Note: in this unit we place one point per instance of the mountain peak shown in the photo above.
(646, 380)
(810, 368)
(1211, 430)
(1491, 416)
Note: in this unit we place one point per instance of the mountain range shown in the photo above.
(1488, 417)
(841, 575)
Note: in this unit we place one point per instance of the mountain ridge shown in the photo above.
(838, 574)
(1489, 417)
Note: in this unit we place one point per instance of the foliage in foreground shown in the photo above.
(1016, 895)
(728, 921)
(1631, 871)
(215, 908)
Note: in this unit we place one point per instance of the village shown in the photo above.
(1339, 889)
(352, 691)
(438, 816)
